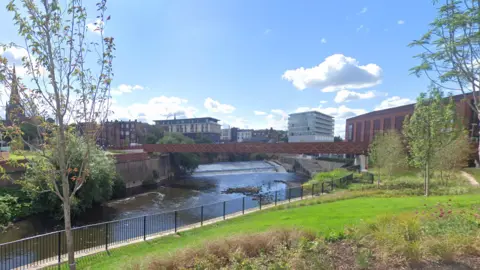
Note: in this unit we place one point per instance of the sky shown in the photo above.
(250, 63)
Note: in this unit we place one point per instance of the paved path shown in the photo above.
(470, 179)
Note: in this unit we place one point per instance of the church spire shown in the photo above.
(14, 95)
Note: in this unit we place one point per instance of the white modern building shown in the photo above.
(226, 135)
(310, 126)
(244, 134)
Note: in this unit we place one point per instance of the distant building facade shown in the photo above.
(114, 133)
(363, 128)
(310, 126)
(226, 135)
(244, 135)
(206, 127)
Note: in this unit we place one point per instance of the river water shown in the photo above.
(205, 186)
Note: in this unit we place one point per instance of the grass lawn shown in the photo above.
(320, 218)
(18, 157)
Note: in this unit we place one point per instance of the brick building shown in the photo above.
(363, 128)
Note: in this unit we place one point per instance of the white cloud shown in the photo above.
(215, 106)
(347, 96)
(234, 121)
(323, 41)
(323, 101)
(401, 22)
(364, 10)
(394, 101)
(335, 73)
(340, 114)
(360, 28)
(278, 119)
(259, 113)
(14, 56)
(125, 88)
(96, 26)
(155, 109)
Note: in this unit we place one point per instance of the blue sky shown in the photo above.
(240, 60)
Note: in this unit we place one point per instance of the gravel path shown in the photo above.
(470, 179)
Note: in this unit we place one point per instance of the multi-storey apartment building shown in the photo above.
(310, 126)
(206, 127)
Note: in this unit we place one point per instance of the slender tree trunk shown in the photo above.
(68, 230)
(477, 159)
(62, 158)
(427, 178)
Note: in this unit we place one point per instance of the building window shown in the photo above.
(350, 132)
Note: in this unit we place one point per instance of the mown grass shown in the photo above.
(320, 217)
(436, 236)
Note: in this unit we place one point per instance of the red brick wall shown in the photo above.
(363, 125)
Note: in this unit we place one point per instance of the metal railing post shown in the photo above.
(224, 205)
(106, 236)
(301, 192)
(175, 221)
(276, 197)
(289, 194)
(260, 202)
(243, 206)
(323, 187)
(332, 186)
(201, 215)
(313, 189)
(59, 236)
(144, 228)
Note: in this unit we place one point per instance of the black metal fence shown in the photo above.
(50, 248)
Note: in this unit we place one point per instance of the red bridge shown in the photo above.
(283, 148)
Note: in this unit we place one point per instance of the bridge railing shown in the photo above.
(50, 249)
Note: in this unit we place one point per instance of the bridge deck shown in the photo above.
(280, 148)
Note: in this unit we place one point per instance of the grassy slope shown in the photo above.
(475, 172)
(320, 218)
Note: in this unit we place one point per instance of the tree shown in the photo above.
(432, 126)
(70, 71)
(98, 185)
(337, 139)
(452, 157)
(387, 153)
(451, 51)
(184, 163)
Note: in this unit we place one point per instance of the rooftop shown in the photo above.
(316, 112)
(180, 119)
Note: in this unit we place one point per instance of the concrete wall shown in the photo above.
(135, 170)
(307, 167)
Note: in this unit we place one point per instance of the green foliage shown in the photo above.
(432, 126)
(119, 189)
(97, 186)
(184, 163)
(321, 177)
(387, 153)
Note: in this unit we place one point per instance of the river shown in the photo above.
(205, 186)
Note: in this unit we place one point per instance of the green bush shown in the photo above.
(119, 189)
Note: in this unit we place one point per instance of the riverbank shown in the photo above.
(321, 218)
(170, 195)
